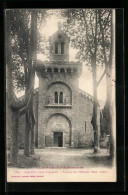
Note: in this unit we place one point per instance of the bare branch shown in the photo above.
(91, 27)
(103, 42)
(101, 78)
(17, 104)
(102, 13)
(85, 25)
(106, 21)
(25, 108)
(111, 50)
(95, 38)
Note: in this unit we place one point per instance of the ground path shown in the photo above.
(65, 157)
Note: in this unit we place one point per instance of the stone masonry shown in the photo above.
(62, 111)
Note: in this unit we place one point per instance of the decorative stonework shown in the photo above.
(62, 107)
(58, 106)
(58, 123)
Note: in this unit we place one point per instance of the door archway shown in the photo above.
(58, 131)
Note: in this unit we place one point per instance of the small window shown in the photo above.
(61, 97)
(85, 126)
(56, 97)
(62, 48)
(56, 48)
(59, 36)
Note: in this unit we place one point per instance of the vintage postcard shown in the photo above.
(60, 94)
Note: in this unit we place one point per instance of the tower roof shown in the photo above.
(60, 32)
(59, 45)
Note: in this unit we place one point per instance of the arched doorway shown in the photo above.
(58, 131)
(58, 139)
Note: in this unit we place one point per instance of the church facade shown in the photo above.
(63, 112)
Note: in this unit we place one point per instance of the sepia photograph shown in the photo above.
(60, 95)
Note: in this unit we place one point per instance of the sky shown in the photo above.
(85, 80)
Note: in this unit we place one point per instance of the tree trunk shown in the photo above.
(109, 90)
(94, 117)
(32, 145)
(14, 154)
(14, 118)
(112, 60)
(108, 67)
(29, 138)
(108, 109)
(27, 135)
(34, 57)
(13, 102)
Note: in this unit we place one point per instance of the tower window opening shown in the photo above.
(56, 97)
(59, 36)
(62, 48)
(61, 97)
(56, 48)
(85, 126)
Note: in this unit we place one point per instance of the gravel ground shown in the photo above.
(64, 157)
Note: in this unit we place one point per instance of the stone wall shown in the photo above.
(86, 134)
(35, 109)
(57, 123)
(58, 87)
(69, 120)
(60, 82)
(61, 39)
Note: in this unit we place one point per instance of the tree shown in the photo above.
(107, 30)
(30, 121)
(20, 39)
(83, 28)
(91, 34)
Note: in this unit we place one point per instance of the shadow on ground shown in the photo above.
(100, 160)
(25, 162)
(63, 158)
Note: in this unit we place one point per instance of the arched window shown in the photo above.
(56, 97)
(62, 48)
(61, 97)
(56, 48)
(85, 126)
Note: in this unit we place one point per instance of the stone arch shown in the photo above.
(62, 70)
(56, 97)
(62, 47)
(49, 71)
(55, 70)
(61, 97)
(58, 123)
(60, 86)
(55, 114)
(56, 47)
(69, 70)
(60, 82)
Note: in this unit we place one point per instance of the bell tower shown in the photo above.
(58, 108)
(59, 45)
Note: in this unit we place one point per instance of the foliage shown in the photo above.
(104, 18)
(20, 25)
(79, 24)
(20, 30)
(81, 27)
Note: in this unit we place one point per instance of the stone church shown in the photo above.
(62, 111)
